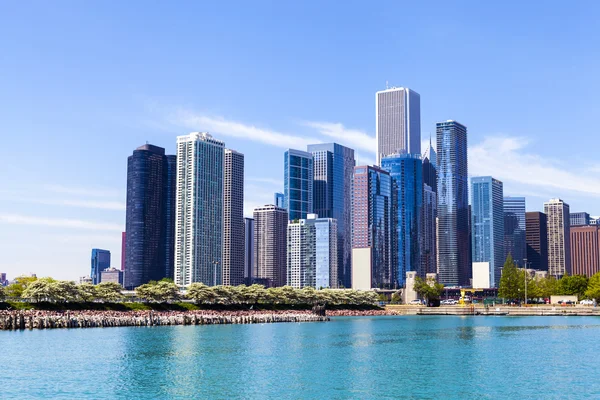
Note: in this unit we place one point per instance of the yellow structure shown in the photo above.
(462, 295)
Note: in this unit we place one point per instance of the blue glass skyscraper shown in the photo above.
(100, 262)
(406, 171)
(279, 200)
(515, 226)
(298, 184)
(487, 224)
(333, 166)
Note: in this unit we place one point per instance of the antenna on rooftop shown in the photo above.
(386, 85)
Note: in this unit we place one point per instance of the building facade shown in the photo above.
(579, 219)
(312, 256)
(428, 231)
(298, 183)
(559, 246)
(398, 122)
(279, 199)
(123, 250)
(515, 243)
(233, 219)
(454, 267)
(487, 225)
(536, 237)
(407, 202)
(199, 210)
(148, 241)
(270, 245)
(585, 250)
(100, 262)
(112, 275)
(333, 168)
(371, 226)
(248, 249)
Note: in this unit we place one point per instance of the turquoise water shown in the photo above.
(360, 357)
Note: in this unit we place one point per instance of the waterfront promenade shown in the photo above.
(532, 310)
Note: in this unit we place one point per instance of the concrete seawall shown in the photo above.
(497, 310)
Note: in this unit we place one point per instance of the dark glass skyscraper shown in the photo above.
(453, 204)
(406, 171)
(150, 216)
(333, 167)
(100, 262)
(579, 219)
(514, 229)
(537, 240)
(298, 184)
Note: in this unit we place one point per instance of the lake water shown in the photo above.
(360, 357)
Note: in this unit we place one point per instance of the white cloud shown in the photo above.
(353, 138)
(17, 219)
(95, 204)
(275, 182)
(81, 191)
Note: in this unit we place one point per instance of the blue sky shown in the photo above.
(84, 83)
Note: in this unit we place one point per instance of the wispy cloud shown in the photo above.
(95, 204)
(275, 182)
(353, 138)
(82, 191)
(17, 219)
(200, 122)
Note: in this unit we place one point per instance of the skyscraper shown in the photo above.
(333, 167)
(579, 219)
(279, 199)
(453, 204)
(248, 249)
(100, 262)
(312, 254)
(487, 225)
(559, 246)
(298, 184)
(371, 225)
(150, 217)
(428, 231)
(514, 229)
(537, 240)
(233, 219)
(123, 249)
(585, 250)
(407, 201)
(398, 122)
(199, 209)
(270, 245)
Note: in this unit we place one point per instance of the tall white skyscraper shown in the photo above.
(398, 122)
(559, 239)
(199, 209)
(233, 219)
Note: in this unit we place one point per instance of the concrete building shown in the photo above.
(579, 219)
(248, 249)
(270, 245)
(487, 225)
(559, 246)
(428, 231)
(398, 122)
(536, 237)
(112, 275)
(233, 219)
(454, 267)
(481, 275)
(85, 280)
(312, 257)
(514, 229)
(100, 262)
(585, 250)
(371, 228)
(298, 183)
(199, 210)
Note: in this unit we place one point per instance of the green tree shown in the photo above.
(2, 293)
(63, 291)
(16, 289)
(109, 291)
(429, 289)
(38, 290)
(575, 285)
(161, 291)
(86, 292)
(547, 286)
(593, 287)
(512, 281)
(200, 293)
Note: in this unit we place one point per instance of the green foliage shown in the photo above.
(512, 281)
(164, 290)
(593, 287)
(2, 295)
(109, 291)
(428, 289)
(397, 298)
(572, 285)
(87, 292)
(16, 289)
(547, 287)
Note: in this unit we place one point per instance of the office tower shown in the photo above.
(86, 280)
(270, 245)
(406, 171)
(123, 250)
(298, 184)
(559, 246)
(428, 228)
(312, 255)
(233, 219)
(453, 204)
(398, 122)
(585, 250)
(579, 219)
(3, 280)
(430, 168)
(248, 249)
(333, 167)
(100, 262)
(371, 229)
(536, 237)
(487, 225)
(150, 220)
(112, 275)
(199, 209)
(594, 220)
(514, 229)
(279, 200)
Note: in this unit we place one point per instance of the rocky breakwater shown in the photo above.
(21, 320)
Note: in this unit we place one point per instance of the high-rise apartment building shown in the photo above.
(398, 122)
(298, 183)
(279, 200)
(585, 250)
(371, 226)
(487, 225)
(453, 204)
(100, 262)
(536, 237)
(123, 249)
(312, 255)
(579, 219)
(150, 216)
(514, 229)
(428, 231)
(406, 171)
(199, 209)
(248, 249)
(333, 167)
(112, 275)
(270, 245)
(233, 219)
(559, 246)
